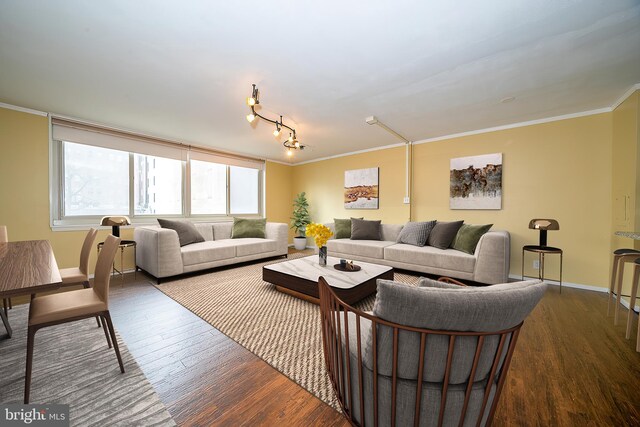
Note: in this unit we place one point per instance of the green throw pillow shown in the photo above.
(244, 227)
(468, 236)
(343, 228)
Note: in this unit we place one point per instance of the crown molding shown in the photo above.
(367, 150)
(626, 95)
(516, 125)
(23, 109)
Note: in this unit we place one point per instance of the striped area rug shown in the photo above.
(282, 330)
(73, 365)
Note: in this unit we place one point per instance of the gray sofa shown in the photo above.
(159, 252)
(489, 264)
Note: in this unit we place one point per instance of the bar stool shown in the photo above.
(632, 302)
(620, 257)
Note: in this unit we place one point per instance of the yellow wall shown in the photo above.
(323, 182)
(626, 177)
(558, 170)
(278, 192)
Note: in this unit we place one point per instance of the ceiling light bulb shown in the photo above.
(276, 132)
(250, 117)
(290, 138)
(289, 152)
(297, 144)
(251, 101)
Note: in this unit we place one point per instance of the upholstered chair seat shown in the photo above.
(73, 275)
(55, 307)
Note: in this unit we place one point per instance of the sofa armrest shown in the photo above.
(158, 251)
(493, 257)
(279, 232)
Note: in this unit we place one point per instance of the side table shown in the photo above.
(542, 251)
(123, 244)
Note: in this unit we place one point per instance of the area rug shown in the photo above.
(73, 365)
(282, 330)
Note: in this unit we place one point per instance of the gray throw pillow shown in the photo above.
(187, 232)
(361, 229)
(415, 233)
(443, 234)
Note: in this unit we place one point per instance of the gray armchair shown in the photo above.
(457, 340)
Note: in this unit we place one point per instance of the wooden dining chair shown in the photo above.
(4, 238)
(65, 307)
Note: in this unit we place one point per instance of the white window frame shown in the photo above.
(60, 222)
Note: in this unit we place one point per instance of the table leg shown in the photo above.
(560, 272)
(5, 320)
(523, 264)
(541, 261)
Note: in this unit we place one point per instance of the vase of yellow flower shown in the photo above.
(320, 234)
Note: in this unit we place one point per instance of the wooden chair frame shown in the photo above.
(334, 318)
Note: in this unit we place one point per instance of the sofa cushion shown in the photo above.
(222, 230)
(342, 228)
(208, 251)
(443, 234)
(365, 248)
(428, 256)
(361, 229)
(416, 233)
(252, 246)
(205, 230)
(468, 236)
(187, 232)
(246, 227)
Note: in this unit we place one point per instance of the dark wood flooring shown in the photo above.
(572, 366)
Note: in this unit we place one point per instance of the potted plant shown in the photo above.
(300, 220)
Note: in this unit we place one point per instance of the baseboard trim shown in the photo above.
(517, 278)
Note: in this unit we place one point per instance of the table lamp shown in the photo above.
(543, 225)
(115, 222)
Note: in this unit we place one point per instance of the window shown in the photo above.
(96, 180)
(97, 172)
(208, 188)
(157, 185)
(243, 190)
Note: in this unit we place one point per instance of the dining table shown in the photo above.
(26, 268)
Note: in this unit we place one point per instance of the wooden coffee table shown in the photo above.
(299, 277)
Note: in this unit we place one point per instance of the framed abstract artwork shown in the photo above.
(476, 182)
(361, 189)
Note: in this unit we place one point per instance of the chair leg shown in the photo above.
(106, 332)
(612, 285)
(114, 340)
(621, 264)
(632, 299)
(87, 285)
(5, 303)
(5, 321)
(27, 379)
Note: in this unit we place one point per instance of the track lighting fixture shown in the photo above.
(291, 143)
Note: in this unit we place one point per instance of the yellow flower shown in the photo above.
(319, 232)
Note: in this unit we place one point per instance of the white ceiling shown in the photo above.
(183, 69)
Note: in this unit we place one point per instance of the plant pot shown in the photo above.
(300, 243)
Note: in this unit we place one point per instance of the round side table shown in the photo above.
(542, 251)
(123, 244)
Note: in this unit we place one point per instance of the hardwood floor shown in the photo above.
(203, 377)
(571, 367)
